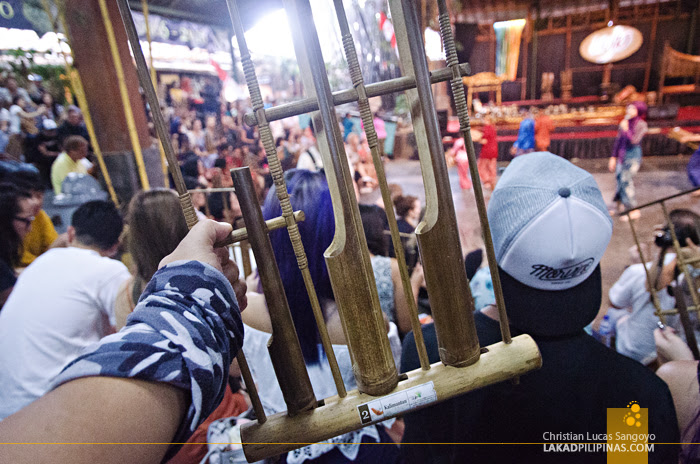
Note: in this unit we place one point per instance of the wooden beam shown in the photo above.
(567, 54)
(528, 37)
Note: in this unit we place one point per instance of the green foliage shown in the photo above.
(54, 78)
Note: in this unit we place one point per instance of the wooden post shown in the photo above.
(567, 55)
(528, 37)
(93, 58)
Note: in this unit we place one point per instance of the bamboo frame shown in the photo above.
(465, 366)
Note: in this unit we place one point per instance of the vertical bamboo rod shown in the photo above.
(77, 84)
(650, 284)
(154, 79)
(124, 93)
(281, 190)
(465, 129)
(185, 199)
(373, 142)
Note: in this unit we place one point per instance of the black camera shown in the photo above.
(664, 239)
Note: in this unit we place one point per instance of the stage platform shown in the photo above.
(590, 138)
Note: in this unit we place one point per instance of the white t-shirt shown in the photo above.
(635, 334)
(62, 303)
(15, 120)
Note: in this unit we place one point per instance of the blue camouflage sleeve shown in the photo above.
(184, 331)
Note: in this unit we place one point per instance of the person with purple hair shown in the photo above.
(626, 157)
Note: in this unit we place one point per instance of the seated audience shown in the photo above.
(15, 223)
(42, 235)
(144, 384)
(75, 149)
(62, 303)
(550, 229)
(43, 149)
(73, 125)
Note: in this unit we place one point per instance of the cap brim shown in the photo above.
(551, 313)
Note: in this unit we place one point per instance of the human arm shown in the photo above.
(165, 372)
(32, 114)
(682, 380)
(621, 292)
(612, 164)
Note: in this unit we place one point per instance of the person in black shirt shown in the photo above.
(550, 229)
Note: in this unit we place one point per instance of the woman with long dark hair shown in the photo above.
(15, 222)
(626, 157)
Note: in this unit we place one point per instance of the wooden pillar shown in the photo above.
(94, 61)
(528, 36)
(650, 53)
(567, 55)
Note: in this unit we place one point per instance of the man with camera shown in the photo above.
(635, 330)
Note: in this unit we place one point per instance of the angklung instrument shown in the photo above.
(382, 393)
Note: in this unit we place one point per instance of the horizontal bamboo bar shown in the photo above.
(341, 97)
(660, 200)
(670, 312)
(241, 234)
(281, 433)
(214, 190)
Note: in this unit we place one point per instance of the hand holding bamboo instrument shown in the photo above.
(382, 394)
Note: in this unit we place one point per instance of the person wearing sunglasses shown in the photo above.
(15, 223)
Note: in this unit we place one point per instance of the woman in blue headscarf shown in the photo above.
(626, 157)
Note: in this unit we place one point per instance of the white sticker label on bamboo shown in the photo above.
(396, 403)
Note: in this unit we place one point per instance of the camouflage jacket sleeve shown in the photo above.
(184, 331)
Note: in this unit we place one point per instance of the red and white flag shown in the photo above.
(387, 29)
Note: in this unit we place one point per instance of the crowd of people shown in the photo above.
(126, 327)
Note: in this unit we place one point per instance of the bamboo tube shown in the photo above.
(185, 199)
(373, 142)
(281, 190)
(347, 258)
(464, 125)
(285, 350)
(77, 85)
(124, 93)
(451, 301)
(281, 433)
